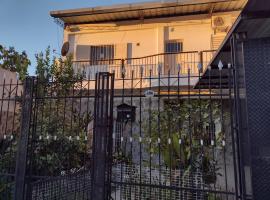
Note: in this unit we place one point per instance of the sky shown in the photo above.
(27, 25)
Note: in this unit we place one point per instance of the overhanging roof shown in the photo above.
(146, 10)
(254, 21)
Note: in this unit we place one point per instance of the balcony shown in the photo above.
(153, 67)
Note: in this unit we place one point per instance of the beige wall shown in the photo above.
(195, 37)
(7, 76)
(147, 37)
(8, 90)
(196, 32)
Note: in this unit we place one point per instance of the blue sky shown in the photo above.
(27, 25)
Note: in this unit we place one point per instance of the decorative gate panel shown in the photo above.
(59, 144)
(171, 140)
(10, 125)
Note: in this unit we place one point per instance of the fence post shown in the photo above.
(23, 142)
(102, 137)
(201, 61)
(123, 70)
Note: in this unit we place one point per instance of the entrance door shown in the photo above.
(171, 57)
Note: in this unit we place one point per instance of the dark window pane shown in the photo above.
(173, 47)
(99, 53)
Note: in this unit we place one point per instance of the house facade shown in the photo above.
(166, 36)
(158, 52)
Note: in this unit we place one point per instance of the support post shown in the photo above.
(102, 139)
(23, 142)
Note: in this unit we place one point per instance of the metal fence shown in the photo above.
(171, 138)
(10, 113)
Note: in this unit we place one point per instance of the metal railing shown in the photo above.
(165, 63)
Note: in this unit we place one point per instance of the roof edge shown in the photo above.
(129, 7)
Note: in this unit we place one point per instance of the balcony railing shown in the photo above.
(154, 65)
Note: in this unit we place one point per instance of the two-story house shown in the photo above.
(149, 45)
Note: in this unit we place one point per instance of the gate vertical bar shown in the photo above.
(23, 143)
(110, 136)
(102, 144)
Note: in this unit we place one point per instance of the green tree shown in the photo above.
(58, 140)
(14, 61)
(59, 117)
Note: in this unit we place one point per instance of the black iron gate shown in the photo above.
(150, 133)
(57, 141)
(173, 140)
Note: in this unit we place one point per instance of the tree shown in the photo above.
(14, 61)
(58, 136)
(61, 123)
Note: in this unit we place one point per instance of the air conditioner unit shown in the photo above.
(221, 23)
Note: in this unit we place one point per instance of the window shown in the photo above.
(102, 52)
(173, 46)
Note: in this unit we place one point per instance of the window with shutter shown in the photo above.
(82, 52)
(102, 53)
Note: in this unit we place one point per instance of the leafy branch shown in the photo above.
(14, 61)
(181, 128)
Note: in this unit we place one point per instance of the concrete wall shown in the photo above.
(7, 76)
(9, 121)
